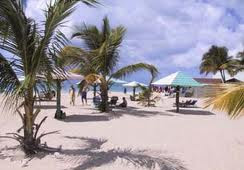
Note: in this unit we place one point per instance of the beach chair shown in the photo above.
(113, 100)
(96, 101)
(132, 98)
(184, 104)
(46, 95)
(191, 104)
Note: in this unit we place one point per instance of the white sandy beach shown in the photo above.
(196, 138)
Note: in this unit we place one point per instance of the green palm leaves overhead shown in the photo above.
(100, 56)
(33, 48)
(230, 99)
(217, 60)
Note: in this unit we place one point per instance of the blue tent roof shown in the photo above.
(178, 79)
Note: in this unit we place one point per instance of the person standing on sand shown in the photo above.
(72, 95)
(125, 90)
(84, 96)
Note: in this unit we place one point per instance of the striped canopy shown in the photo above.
(178, 79)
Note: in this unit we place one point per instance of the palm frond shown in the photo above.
(74, 57)
(134, 68)
(108, 53)
(8, 78)
(217, 60)
(228, 98)
(90, 35)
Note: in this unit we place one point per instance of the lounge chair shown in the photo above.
(132, 98)
(192, 103)
(96, 101)
(113, 100)
(188, 103)
(46, 96)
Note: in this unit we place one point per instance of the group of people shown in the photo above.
(166, 89)
(82, 93)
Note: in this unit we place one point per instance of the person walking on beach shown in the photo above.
(72, 95)
(84, 96)
(125, 90)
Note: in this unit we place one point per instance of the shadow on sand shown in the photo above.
(46, 107)
(116, 113)
(192, 112)
(133, 111)
(91, 156)
(87, 118)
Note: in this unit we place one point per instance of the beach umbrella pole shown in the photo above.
(177, 99)
(134, 92)
(95, 90)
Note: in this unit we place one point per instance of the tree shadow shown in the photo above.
(46, 107)
(11, 154)
(90, 157)
(192, 112)
(87, 118)
(133, 111)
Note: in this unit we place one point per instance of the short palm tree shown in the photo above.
(102, 49)
(146, 96)
(217, 60)
(34, 48)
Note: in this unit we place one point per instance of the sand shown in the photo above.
(195, 139)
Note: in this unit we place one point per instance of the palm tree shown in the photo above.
(228, 98)
(239, 65)
(217, 60)
(102, 49)
(34, 48)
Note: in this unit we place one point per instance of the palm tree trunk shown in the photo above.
(222, 75)
(148, 97)
(104, 96)
(134, 92)
(58, 111)
(29, 141)
(95, 90)
(177, 99)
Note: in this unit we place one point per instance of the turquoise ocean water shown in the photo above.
(114, 88)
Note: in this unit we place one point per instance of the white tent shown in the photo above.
(68, 76)
(134, 84)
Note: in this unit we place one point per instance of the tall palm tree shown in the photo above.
(217, 60)
(230, 98)
(102, 48)
(33, 48)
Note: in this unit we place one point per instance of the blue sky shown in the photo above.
(172, 35)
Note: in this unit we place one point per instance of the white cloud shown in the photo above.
(166, 33)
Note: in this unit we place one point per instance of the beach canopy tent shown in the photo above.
(178, 79)
(117, 81)
(58, 78)
(68, 76)
(134, 85)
